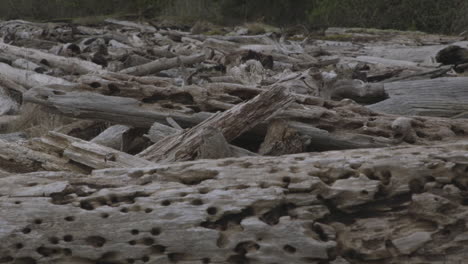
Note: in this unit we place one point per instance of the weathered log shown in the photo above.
(213, 145)
(90, 154)
(387, 62)
(118, 110)
(18, 157)
(443, 97)
(232, 123)
(360, 206)
(131, 24)
(163, 64)
(71, 65)
(112, 137)
(28, 78)
(28, 65)
(158, 132)
(358, 91)
(430, 74)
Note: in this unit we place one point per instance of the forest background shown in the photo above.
(439, 16)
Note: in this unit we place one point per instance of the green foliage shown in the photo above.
(426, 15)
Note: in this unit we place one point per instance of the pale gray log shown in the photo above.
(442, 97)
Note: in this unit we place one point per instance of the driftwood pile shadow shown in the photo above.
(166, 146)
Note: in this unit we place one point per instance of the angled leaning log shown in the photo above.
(231, 123)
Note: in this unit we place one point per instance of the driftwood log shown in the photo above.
(360, 206)
(445, 97)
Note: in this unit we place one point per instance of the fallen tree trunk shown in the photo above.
(28, 78)
(211, 142)
(20, 158)
(443, 97)
(163, 64)
(359, 206)
(119, 110)
(71, 65)
(231, 123)
(90, 154)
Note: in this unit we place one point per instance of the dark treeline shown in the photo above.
(448, 16)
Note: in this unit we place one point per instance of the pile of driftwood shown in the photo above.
(131, 143)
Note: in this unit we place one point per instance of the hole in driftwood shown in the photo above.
(157, 249)
(237, 259)
(197, 202)
(155, 231)
(245, 247)
(175, 257)
(86, 205)
(148, 241)
(47, 252)
(320, 232)
(272, 217)
(53, 240)
(95, 241)
(69, 218)
(26, 230)
(166, 203)
(228, 220)
(212, 210)
(289, 249)
(104, 215)
(67, 252)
